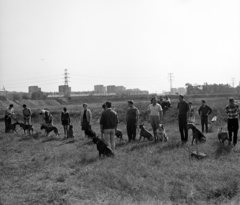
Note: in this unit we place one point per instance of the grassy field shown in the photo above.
(49, 170)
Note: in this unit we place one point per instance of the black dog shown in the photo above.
(145, 133)
(102, 147)
(12, 127)
(49, 129)
(70, 132)
(90, 133)
(118, 134)
(197, 135)
(25, 127)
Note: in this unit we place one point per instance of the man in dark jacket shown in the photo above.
(204, 111)
(183, 111)
(132, 120)
(108, 124)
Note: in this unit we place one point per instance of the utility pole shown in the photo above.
(233, 79)
(66, 77)
(170, 77)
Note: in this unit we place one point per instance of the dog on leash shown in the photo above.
(161, 133)
(102, 147)
(49, 129)
(145, 133)
(90, 133)
(118, 134)
(222, 135)
(197, 135)
(70, 132)
(25, 127)
(12, 127)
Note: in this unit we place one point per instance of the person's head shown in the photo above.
(108, 104)
(11, 106)
(24, 105)
(104, 106)
(203, 102)
(231, 101)
(85, 105)
(166, 97)
(65, 109)
(180, 97)
(42, 112)
(154, 101)
(130, 103)
(190, 104)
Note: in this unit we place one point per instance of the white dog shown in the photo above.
(161, 133)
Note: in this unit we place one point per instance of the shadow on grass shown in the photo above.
(121, 144)
(169, 146)
(222, 150)
(229, 191)
(87, 143)
(52, 138)
(140, 145)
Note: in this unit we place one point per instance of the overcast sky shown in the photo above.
(134, 43)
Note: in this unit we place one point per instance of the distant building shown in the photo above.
(119, 89)
(111, 89)
(182, 91)
(99, 89)
(64, 89)
(33, 89)
(174, 91)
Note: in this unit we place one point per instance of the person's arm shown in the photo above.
(160, 114)
(200, 111)
(90, 116)
(69, 118)
(137, 116)
(209, 110)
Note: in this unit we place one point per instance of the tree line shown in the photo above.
(211, 89)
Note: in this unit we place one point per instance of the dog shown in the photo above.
(70, 132)
(90, 133)
(197, 135)
(161, 134)
(12, 127)
(222, 135)
(145, 133)
(118, 134)
(102, 147)
(49, 129)
(25, 127)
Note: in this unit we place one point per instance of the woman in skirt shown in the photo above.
(65, 118)
(86, 117)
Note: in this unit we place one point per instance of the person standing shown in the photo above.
(65, 118)
(108, 125)
(26, 115)
(132, 121)
(86, 117)
(9, 113)
(155, 115)
(204, 111)
(103, 108)
(232, 111)
(191, 118)
(47, 117)
(183, 109)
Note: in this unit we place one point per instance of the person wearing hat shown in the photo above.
(9, 113)
(204, 111)
(183, 112)
(155, 115)
(47, 117)
(132, 120)
(232, 111)
(26, 115)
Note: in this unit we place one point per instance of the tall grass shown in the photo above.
(49, 170)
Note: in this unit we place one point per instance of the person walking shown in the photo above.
(86, 117)
(155, 115)
(9, 113)
(108, 125)
(204, 111)
(27, 113)
(65, 118)
(183, 111)
(232, 111)
(47, 117)
(132, 121)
